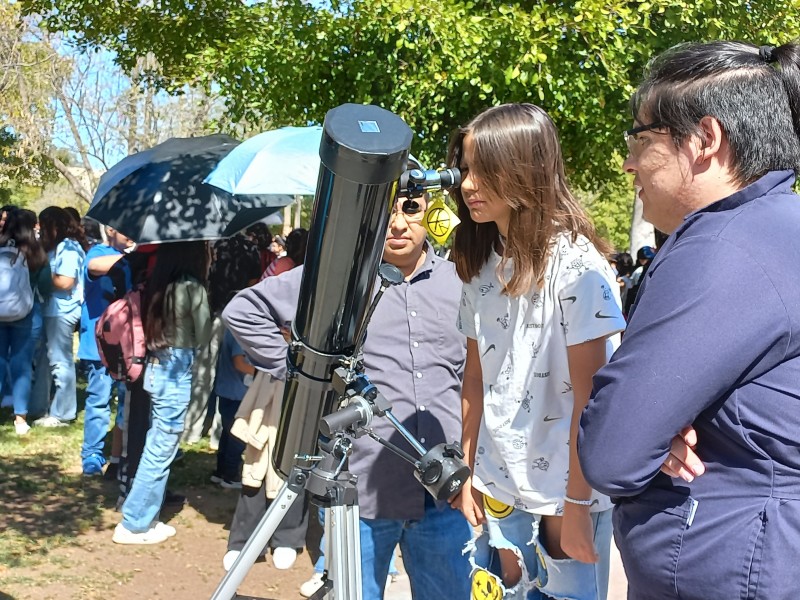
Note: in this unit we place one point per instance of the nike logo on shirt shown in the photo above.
(599, 315)
(492, 347)
(549, 418)
(570, 298)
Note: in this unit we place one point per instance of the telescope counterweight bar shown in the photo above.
(401, 453)
(404, 432)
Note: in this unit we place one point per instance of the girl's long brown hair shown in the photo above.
(20, 224)
(517, 160)
(55, 225)
(174, 261)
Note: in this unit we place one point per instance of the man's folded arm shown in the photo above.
(690, 343)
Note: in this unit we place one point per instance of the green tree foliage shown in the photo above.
(610, 206)
(27, 69)
(8, 161)
(436, 64)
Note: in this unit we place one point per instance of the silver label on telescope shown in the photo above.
(369, 127)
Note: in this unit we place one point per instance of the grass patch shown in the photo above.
(199, 461)
(46, 501)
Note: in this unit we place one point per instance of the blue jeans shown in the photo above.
(542, 576)
(432, 550)
(168, 379)
(99, 387)
(229, 453)
(16, 356)
(60, 331)
(40, 388)
(319, 566)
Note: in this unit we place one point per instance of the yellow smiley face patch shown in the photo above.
(497, 509)
(486, 586)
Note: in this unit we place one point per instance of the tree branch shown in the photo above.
(74, 182)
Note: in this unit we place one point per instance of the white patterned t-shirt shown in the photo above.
(522, 458)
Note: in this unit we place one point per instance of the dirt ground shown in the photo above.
(57, 528)
(186, 567)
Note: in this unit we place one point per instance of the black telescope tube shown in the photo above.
(363, 152)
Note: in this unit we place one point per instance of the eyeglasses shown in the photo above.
(410, 209)
(632, 136)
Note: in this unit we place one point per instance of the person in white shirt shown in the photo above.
(541, 312)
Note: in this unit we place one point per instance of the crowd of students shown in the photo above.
(60, 275)
(46, 254)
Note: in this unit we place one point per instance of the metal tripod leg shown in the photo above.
(260, 536)
(343, 551)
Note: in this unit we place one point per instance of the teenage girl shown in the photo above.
(65, 243)
(539, 308)
(16, 337)
(177, 322)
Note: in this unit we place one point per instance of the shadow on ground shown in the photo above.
(191, 477)
(41, 502)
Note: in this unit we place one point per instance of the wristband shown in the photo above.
(578, 502)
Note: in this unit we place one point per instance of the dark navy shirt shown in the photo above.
(714, 343)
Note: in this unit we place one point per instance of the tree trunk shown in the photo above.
(642, 232)
(76, 135)
(132, 108)
(298, 210)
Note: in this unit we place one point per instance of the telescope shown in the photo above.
(327, 397)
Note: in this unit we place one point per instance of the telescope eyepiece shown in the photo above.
(451, 177)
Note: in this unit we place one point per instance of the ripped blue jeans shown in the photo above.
(542, 576)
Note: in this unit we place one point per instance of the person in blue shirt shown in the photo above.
(16, 337)
(99, 292)
(66, 245)
(234, 375)
(711, 356)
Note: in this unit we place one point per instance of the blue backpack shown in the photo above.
(16, 295)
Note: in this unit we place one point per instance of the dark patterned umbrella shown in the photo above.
(158, 195)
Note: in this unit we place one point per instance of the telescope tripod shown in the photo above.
(333, 488)
(440, 470)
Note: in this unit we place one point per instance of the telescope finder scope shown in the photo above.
(415, 182)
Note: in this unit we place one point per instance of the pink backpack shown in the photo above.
(120, 337)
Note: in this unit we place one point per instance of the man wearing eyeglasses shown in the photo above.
(415, 355)
(694, 425)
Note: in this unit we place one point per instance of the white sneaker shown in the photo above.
(230, 558)
(283, 558)
(151, 536)
(310, 587)
(50, 422)
(22, 428)
(167, 530)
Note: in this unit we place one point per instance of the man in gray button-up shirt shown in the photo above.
(415, 355)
